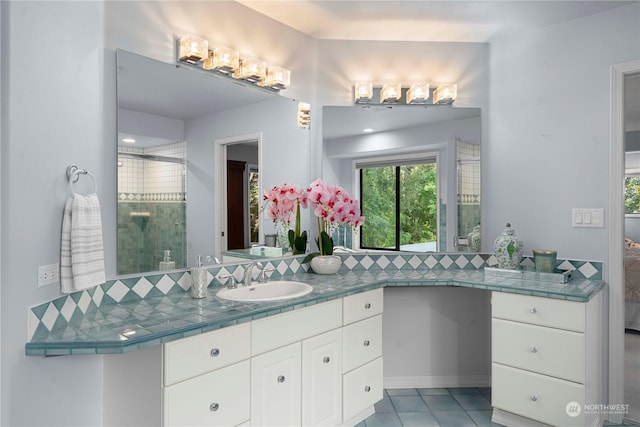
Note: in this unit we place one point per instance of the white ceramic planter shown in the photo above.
(326, 264)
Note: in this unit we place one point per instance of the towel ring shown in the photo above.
(73, 175)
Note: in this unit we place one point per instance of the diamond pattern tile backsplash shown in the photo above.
(57, 313)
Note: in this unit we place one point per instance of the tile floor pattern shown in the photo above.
(433, 407)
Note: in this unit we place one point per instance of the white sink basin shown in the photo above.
(270, 291)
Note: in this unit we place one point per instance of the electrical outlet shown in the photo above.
(48, 275)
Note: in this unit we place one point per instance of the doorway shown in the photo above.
(238, 186)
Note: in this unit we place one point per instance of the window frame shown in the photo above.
(407, 158)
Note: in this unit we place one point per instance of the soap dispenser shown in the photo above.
(199, 280)
(166, 263)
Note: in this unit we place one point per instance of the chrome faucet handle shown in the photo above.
(262, 277)
(232, 281)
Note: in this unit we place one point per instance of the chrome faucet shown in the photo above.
(248, 273)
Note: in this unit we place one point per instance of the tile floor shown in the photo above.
(427, 407)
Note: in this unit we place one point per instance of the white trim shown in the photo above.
(616, 236)
(220, 185)
(430, 381)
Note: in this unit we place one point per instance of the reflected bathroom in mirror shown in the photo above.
(191, 160)
(416, 170)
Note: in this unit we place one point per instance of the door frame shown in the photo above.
(616, 236)
(220, 186)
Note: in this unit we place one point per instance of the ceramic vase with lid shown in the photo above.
(474, 239)
(508, 249)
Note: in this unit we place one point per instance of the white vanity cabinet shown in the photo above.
(314, 366)
(362, 346)
(547, 357)
(207, 378)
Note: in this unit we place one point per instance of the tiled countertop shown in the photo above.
(126, 326)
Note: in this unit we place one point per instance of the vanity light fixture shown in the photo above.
(223, 60)
(367, 130)
(192, 49)
(251, 69)
(304, 115)
(445, 94)
(363, 92)
(390, 93)
(418, 93)
(277, 78)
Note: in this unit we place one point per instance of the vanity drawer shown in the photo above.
(192, 356)
(277, 331)
(219, 398)
(360, 306)
(539, 349)
(556, 313)
(361, 388)
(362, 342)
(536, 396)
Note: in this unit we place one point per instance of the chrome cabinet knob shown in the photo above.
(533, 350)
(327, 359)
(533, 310)
(367, 306)
(215, 352)
(367, 388)
(533, 397)
(214, 407)
(281, 378)
(366, 343)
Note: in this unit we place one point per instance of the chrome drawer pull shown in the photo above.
(533, 397)
(214, 407)
(326, 359)
(533, 350)
(366, 343)
(215, 352)
(367, 306)
(533, 310)
(367, 389)
(281, 379)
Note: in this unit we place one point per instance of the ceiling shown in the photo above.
(423, 20)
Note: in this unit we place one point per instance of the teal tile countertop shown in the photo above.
(130, 325)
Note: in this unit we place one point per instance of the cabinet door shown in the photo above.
(219, 398)
(362, 388)
(322, 379)
(276, 387)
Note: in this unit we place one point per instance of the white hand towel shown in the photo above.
(81, 249)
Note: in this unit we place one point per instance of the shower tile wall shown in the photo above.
(468, 156)
(151, 209)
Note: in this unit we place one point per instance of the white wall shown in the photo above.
(52, 116)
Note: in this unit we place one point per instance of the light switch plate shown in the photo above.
(587, 218)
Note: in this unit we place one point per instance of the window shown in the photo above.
(399, 200)
(632, 183)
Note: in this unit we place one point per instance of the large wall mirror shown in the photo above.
(194, 149)
(416, 170)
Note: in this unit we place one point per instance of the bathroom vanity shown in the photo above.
(317, 359)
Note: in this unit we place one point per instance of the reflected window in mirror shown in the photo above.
(353, 134)
(399, 199)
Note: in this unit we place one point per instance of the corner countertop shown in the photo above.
(127, 326)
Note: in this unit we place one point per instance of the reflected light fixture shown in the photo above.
(192, 49)
(363, 93)
(418, 93)
(367, 130)
(390, 93)
(304, 115)
(445, 94)
(223, 60)
(129, 140)
(277, 78)
(251, 69)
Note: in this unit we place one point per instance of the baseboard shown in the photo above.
(359, 417)
(513, 420)
(438, 381)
